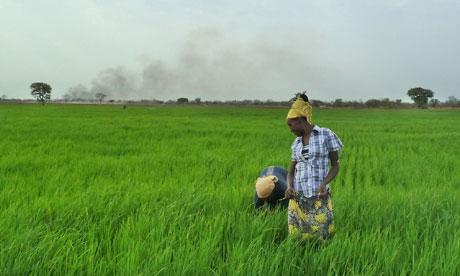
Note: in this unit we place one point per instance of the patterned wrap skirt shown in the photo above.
(310, 218)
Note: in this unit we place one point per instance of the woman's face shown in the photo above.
(296, 126)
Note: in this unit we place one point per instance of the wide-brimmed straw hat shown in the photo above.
(265, 185)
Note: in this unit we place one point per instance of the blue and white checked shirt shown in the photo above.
(311, 171)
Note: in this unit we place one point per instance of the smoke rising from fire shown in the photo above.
(212, 66)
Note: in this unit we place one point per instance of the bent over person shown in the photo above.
(271, 188)
(310, 207)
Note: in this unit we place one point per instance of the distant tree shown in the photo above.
(434, 102)
(100, 96)
(182, 100)
(41, 91)
(420, 96)
(317, 103)
(197, 100)
(338, 102)
(3, 97)
(452, 100)
(372, 103)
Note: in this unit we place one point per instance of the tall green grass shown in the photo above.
(168, 190)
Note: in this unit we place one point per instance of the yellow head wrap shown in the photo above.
(300, 108)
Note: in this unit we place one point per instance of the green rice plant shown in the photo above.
(161, 190)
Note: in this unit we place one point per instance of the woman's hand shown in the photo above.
(322, 190)
(289, 193)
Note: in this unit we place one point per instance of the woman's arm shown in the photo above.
(334, 157)
(290, 180)
(291, 172)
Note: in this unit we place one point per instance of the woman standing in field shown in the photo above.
(310, 206)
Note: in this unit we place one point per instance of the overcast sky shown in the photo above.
(134, 49)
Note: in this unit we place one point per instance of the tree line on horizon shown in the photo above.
(421, 97)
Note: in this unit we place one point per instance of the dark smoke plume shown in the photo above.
(211, 66)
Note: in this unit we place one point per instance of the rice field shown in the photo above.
(103, 190)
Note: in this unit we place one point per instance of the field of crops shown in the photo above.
(104, 190)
